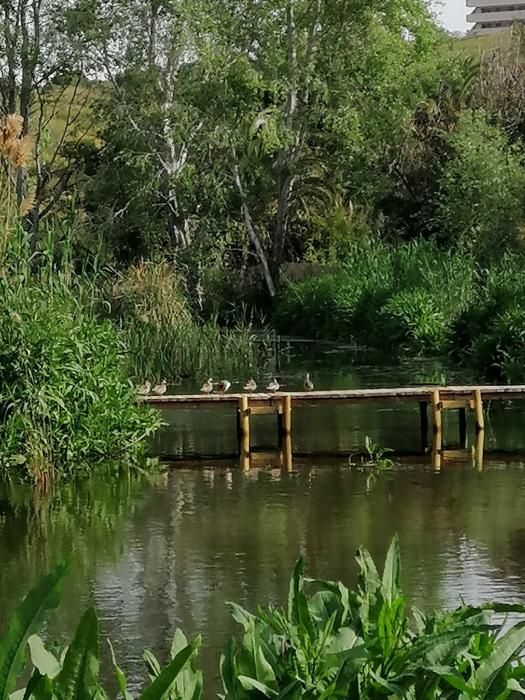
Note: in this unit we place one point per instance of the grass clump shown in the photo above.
(406, 295)
(165, 338)
(418, 299)
(328, 642)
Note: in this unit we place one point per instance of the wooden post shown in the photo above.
(245, 453)
(244, 412)
(436, 411)
(478, 408)
(477, 451)
(423, 424)
(287, 415)
(463, 428)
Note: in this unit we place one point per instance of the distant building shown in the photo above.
(491, 15)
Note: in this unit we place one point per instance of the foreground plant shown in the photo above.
(329, 642)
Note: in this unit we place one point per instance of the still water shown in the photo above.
(154, 554)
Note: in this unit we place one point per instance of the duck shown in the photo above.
(144, 389)
(250, 385)
(273, 386)
(308, 384)
(160, 389)
(223, 386)
(207, 387)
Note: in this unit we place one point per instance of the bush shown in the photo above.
(327, 643)
(414, 321)
(66, 401)
(499, 348)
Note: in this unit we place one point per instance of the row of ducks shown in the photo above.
(221, 387)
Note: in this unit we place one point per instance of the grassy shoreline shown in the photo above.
(417, 299)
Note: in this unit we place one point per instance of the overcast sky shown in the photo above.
(453, 14)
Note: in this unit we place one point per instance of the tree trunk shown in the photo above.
(270, 286)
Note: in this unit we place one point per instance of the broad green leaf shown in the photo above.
(152, 663)
(515, 686)
(391, 571)
(252, 684)
(42, 689)
(343, 640)
(368, 577)
(265, 672)
(242, 616)
(505, 649)
(179, 642)
(78, 679)
(346, 674)
(42, 659)
(167, 677)
(453, 678)
(227, 668)
(44, 596)
(298, 611)
(435, 649)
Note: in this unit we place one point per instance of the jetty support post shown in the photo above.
(287, 452)
(437, 411)
(478, 408)
(478, 450)
(244, 423)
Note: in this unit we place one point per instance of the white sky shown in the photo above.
(452, 14)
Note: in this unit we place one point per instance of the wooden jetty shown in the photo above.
(438, 398)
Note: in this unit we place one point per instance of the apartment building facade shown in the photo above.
(490, 15)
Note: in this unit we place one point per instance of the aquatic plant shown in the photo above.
(328, 642)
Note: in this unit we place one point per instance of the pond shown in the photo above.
(156, 553)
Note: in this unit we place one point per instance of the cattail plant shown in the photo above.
(15, 153)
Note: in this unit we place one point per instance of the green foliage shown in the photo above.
(65, 398)
(163, 335)
(413, 319)
(481, 186)
(406, 296)
(331, 642)
(25, 619)
(328, 642)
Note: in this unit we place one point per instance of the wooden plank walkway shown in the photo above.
(440, 398)
(411, 393)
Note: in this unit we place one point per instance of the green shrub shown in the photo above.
(414, 321)
(66, 401)
(499, 348)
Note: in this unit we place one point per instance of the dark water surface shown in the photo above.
(154, 554)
